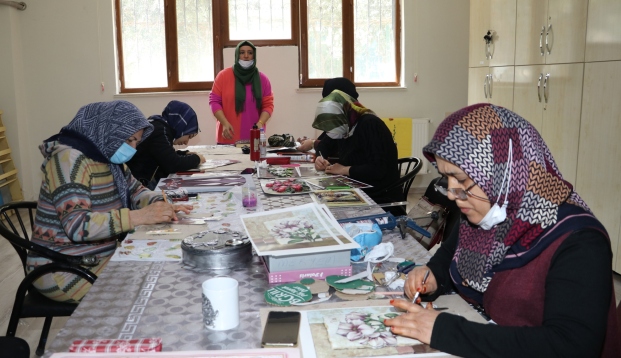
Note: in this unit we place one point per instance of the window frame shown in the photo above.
(221, 40)
(348, 48)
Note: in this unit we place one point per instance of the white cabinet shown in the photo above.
(600, 145)
(491, 85)
(603, 41)
(549, 96)
(550, 31)
(498, 17)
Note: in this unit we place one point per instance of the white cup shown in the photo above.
(221, 303)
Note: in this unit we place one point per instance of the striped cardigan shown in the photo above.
(79, 210)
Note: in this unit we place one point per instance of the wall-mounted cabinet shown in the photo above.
(603, 41)
(491, 85)
(498, 17)
(549, 97)
(550, 31)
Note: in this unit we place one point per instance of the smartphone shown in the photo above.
(281, 329)
(248, 171)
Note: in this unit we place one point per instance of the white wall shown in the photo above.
(55, 55)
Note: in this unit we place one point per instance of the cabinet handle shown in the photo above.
(485, 85)
(539, 87)
(548, 47)
(545, 87)
(543, 29)
(491, 85)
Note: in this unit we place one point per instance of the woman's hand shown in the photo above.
(337, 169)
(201, 157)
(417, 323)
(321, 163)
(414, 282)
(306, 145)
(155, 213)
(183, 207)
(227, 129)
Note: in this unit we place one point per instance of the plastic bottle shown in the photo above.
(249, 198)
(263, 144)
(254, 143)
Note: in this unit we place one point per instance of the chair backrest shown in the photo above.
(408, 168)
(15, 228)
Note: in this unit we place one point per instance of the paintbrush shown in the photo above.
(417, 292)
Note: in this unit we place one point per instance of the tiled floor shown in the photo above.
(30, 329)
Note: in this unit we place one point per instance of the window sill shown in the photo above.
(162, 94)
(358, 89)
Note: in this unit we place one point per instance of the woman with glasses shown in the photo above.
(528, 250)
(156, 156)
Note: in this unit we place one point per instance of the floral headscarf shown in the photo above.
(338, 113)
(476, 139)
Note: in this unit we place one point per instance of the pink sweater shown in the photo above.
(222, 97)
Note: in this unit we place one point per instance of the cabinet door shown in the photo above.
(502, 22)
(477, 88)
(501, 86)
(528, 94)
(530, 29)
(479, 25)
(566, 31)
(561, 115)
(603, 38)
(600, 129)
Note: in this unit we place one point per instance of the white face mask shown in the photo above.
(497, 214)
(246, 64)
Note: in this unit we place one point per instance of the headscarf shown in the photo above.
(180, 117)
(476, 139)
(244, 76)
(98, 131)
(338, 113)
(339, 83)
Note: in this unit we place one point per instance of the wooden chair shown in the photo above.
(28, 301)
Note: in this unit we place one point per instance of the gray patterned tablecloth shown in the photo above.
(163, 299)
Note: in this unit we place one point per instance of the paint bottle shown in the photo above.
(263, 144)
(254, 143)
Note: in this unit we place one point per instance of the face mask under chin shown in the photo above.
(246, 64)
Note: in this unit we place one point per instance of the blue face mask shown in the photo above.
(123, 154)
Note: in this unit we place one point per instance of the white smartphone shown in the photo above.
(281, 329)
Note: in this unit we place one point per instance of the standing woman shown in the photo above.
(241, 96)
(88, 198)
(156, 156)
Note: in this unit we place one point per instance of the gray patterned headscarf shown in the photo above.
(105, 126)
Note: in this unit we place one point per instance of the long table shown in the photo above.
(163, 299)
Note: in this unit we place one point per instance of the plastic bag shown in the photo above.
(367, 235)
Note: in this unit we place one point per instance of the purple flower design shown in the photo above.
(367, 330)
(298, 230)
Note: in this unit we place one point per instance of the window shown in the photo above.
(175, 45)
(359, 40)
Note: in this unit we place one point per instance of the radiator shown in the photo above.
(410, 135)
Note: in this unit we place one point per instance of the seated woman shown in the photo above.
(88, 198)
(156, 156)
(360, 140)
(528, 250)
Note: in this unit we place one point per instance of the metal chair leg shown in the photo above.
(44, 333)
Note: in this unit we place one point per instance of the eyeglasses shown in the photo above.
(441, 186)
